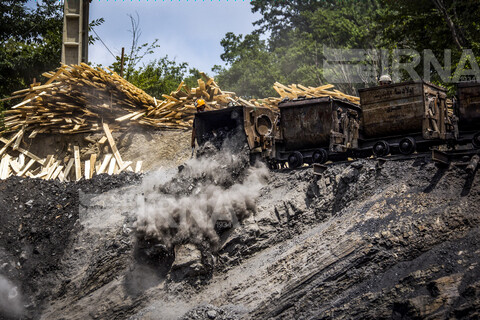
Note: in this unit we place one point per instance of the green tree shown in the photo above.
(30, 42)
(298, 31)
(252, 68)
(434, 25)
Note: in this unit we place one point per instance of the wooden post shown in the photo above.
(78, 165)
(122, 62)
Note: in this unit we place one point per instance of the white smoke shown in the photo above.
(184, 207)
(10, 299)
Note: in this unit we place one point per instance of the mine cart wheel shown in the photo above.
(407, 146)
(381, 148)
(295, 159)
(476, 140)
(320, 156)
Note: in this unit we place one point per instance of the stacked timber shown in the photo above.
(295, 91)
(77, 164)
(79, 98)
(179, 106)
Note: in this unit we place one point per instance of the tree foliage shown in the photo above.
(161, 76)
(297, 31)
(30, 42)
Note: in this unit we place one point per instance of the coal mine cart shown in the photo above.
(314, 130)
(404, 118)
(467, 112)
(254, 126)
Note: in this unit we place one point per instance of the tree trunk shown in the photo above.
(440, 6)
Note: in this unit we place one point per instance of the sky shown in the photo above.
(188, 30)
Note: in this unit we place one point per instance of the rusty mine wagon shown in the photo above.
(254, 126)
(315, 130)
(404, 118)
(467, 111)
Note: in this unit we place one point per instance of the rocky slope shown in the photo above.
(360, 241)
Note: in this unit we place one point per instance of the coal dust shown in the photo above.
(183, 206)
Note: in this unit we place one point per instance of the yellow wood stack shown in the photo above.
(179, 107)
(295, 91)
(79, 163)
(77, 99)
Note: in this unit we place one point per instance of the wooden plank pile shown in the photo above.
(179, 106)
(79, 98)
(295, 91)
(68, 168)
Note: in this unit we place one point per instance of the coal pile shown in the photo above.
(359, 241)
(38, 218)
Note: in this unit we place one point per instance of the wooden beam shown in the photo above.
(78, 164)
(49, 161)
(25, 169)
(69, 167)
(21, 160)
(138, 167)
(87, 169)
(56, 173)
(9, 142)
(3, 164)
(105, 163)
(124, 166)
(51, 170)
(113, 146)
(15, 166)
(93, 159)
(25, 152)
(111, 167)
(29, 100)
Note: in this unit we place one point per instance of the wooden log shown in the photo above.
(78, 164)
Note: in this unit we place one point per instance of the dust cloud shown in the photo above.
(10, 299)
(181, 207)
